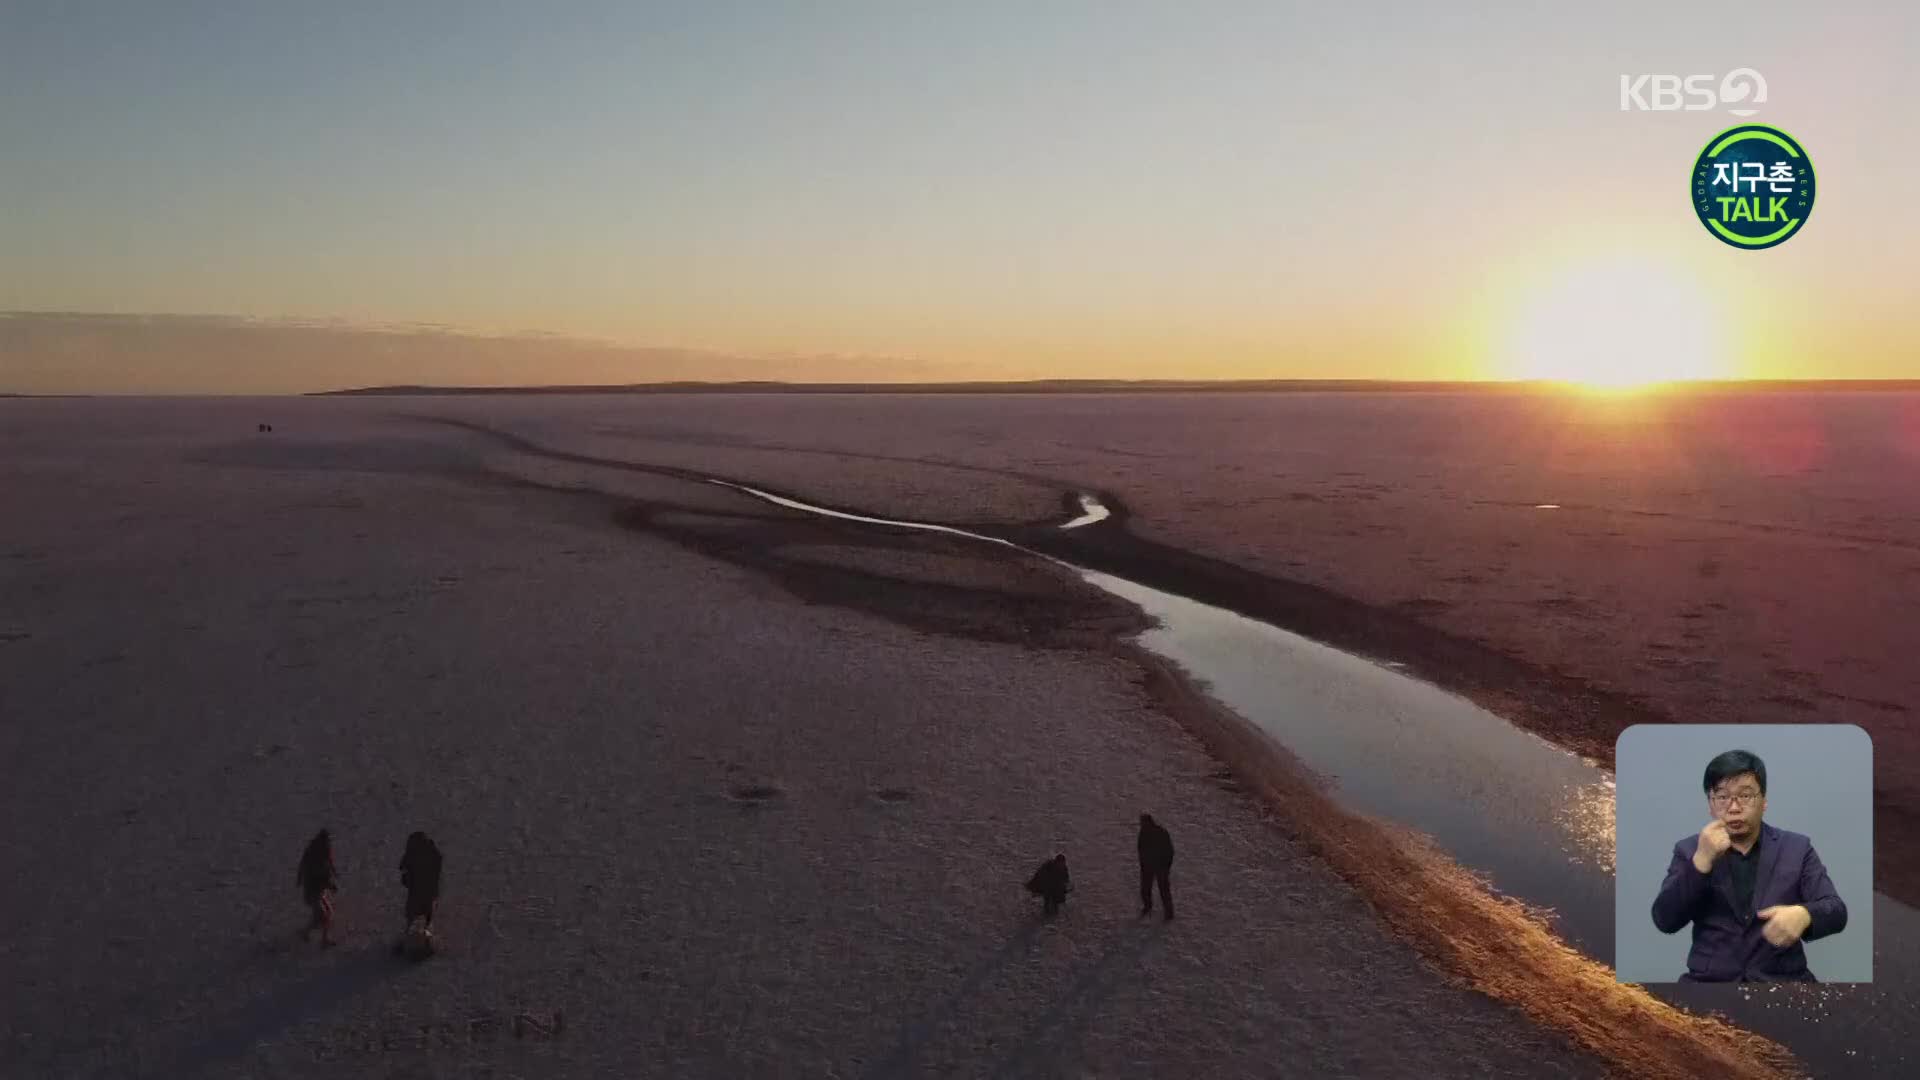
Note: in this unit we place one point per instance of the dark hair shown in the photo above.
(313, 861)
(1731, 764)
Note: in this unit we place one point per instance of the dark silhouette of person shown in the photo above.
(1051, 883)
(317, 882)
(1156, 864)
(420, 876)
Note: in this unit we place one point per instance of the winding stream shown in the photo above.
(1536, 820)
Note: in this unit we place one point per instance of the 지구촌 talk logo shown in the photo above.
(1753, 186)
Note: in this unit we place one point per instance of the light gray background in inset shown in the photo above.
(1819, 782)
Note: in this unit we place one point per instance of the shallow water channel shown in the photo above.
(1534, 819)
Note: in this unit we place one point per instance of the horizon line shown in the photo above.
(1055, 386)
(1042, 385)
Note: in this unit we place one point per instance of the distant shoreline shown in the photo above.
(1078, 386)
(1118, 386)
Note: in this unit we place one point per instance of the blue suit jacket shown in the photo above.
(1727, 944)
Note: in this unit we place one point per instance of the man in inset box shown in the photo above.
(1753, 892)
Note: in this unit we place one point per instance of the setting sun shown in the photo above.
(1617, 325)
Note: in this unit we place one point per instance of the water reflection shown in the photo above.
(1091, 510)
(1535, 818)
(1586, 815)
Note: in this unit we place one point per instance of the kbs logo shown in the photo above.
(1693, 93)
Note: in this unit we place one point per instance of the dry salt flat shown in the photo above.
(757, 815)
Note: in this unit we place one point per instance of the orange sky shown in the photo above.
(1375, 191)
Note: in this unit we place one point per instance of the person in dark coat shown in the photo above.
(1051, 883)
(317, 882)
(420, 876)
(1156, 863)
(1752, 891)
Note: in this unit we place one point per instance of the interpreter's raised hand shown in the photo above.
(1714, 843)
(1784, 924)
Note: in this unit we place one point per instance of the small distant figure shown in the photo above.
(420, 876)
(318, 882)
(1051, 883)
(264, 427)
(1156, 864)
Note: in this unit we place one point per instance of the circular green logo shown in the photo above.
(1753, 186)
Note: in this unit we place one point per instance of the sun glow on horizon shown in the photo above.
(1617, 325)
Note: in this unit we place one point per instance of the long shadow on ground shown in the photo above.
(273, 1014)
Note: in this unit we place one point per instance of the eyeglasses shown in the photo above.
(1744, 798)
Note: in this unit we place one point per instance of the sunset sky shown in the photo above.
(915, 191)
